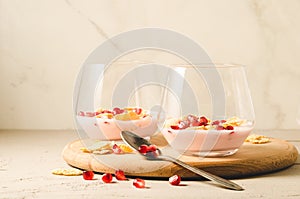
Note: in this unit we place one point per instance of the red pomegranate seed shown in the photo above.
(107, 178)
(174, 127)
(203, 121)
(106, 111)
(217, 122)
(90, 114)
(88, 175)
(175, 180)
(139, 183)
(195, 123)
(192, 118)
(81, 113)
(117, 110)
(116, 149)
(229, 128)
(143, 149)
(119, 174)
(183, 124)
(151, 148)
(220, 128)
(138, 110)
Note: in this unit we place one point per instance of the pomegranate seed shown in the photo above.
(107, 111)
(151, 148)
(88, 175)
(117, 110)
(138, 110)
(116, 149)
(175, 180)
(195, 123)
(90, 114)
(105, 122)
(229, 128)
(139, 183)
(220, 128)
(192, 118)
(175, 127)
(107, 178)
(81, 113)
(184, 124)
(203, 121)
(143, 149)
(217, 122)
(119, 174)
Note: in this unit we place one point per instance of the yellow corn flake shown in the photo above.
(99, 110)
(102, 152)
(67, 172)
(85, 150)
(97, 146)
(127, 116)
(129, 108)
(233, 121)
(105, 115)
(257, 139)
(125, 148)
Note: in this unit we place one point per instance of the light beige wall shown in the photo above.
(44, 42)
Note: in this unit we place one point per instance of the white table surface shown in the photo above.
(27, 158)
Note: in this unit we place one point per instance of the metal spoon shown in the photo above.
(136, 141)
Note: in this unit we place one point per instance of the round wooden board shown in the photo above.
(251, 159)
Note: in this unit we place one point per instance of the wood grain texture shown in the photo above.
(251, 159)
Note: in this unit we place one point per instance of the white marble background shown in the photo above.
(44, 42)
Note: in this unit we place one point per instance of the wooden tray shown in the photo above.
(251, 159)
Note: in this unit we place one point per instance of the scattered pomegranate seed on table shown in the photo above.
(88, 175)
(107, 178)
(119, 174)
(139, 183)
(175, 180)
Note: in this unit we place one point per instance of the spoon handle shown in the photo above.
(212, 177)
